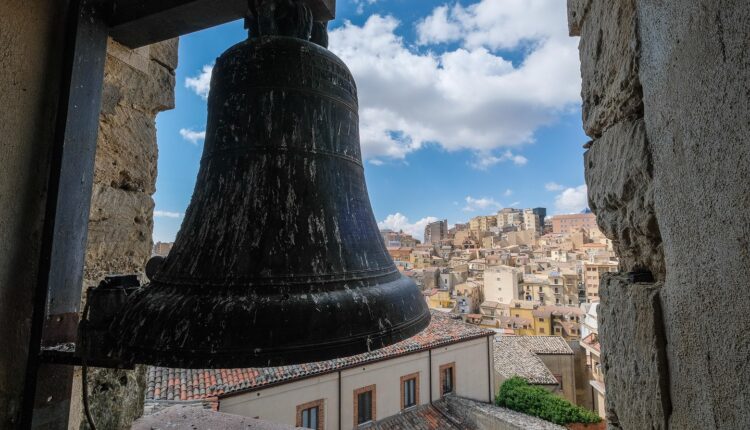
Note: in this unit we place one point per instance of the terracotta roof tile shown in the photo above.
(197, 384)
(424, 417)
(543, 344)
(512, 358)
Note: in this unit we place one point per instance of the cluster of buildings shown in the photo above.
(511, 294)
(521, 274)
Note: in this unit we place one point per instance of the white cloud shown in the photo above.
(508, 192)
(496, 24)
(572, 200)
(468, 98)
(361, 5)
(483, 203)
(201, 83)
(376, 162)
(438, 28)
(192, 136)
(484, 161)
(398, 222)
(165, 214)
(553, 186)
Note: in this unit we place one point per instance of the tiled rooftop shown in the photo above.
(543, 344)
(513, 359)
(168, 384)
(424, 417)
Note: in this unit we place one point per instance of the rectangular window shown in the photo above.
(310, 415)
(310, 418)
(447, 378)
(409, 390)
(364, 405)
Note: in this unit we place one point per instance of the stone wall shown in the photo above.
(138, 84)
(475, 415)
(666, 94)
(30, 65)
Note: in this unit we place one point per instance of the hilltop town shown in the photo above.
(517, 272)
(516, 292)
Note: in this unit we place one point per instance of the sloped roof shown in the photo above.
(424, 417)
(546, 345)
(512, 358)
(168, 384)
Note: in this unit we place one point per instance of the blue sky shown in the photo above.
(465, 107)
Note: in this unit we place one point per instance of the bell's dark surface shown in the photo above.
(279, 259)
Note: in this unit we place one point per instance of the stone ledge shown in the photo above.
(483, 416)
(193, 417)
(634, 361)
(619, 175)
(576, 14)
(609, 51)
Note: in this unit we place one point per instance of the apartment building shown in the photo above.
(573, 222)
(509, 217)
(502, 284)
(435, 232)
(590, 343)
(482, 223)
(592, 273)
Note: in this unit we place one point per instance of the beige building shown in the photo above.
(509, 217)
(450, 356)
(420, 259)
(596, 375)
(502, 284)
(573, 222)
(162, 248)
(592, 273)
(482, 223)
(531, 220)
(547, 361)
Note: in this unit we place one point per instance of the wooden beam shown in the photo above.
(136, 23)
(57, 296)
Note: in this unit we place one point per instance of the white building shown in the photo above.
(449, 356)
(502, 284)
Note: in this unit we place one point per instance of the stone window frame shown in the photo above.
(355, 411)
(320, 404)
(405, 378)
(452, 366)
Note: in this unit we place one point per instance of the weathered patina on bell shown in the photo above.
(279, 259)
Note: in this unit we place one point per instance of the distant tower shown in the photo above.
(541, 213)
(436, 231)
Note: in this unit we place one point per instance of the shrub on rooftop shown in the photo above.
(518, 395)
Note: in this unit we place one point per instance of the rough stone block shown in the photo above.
(621, 194)
(150, 92)
(165, 53)
(119, 239)
(576, 13)
(126, 150)
(633, 344)
(137, 58)
(609, 51)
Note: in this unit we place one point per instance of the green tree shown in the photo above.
(517, 394)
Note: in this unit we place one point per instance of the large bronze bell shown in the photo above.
(279, 259)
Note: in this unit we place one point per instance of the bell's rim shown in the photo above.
(331, 349)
